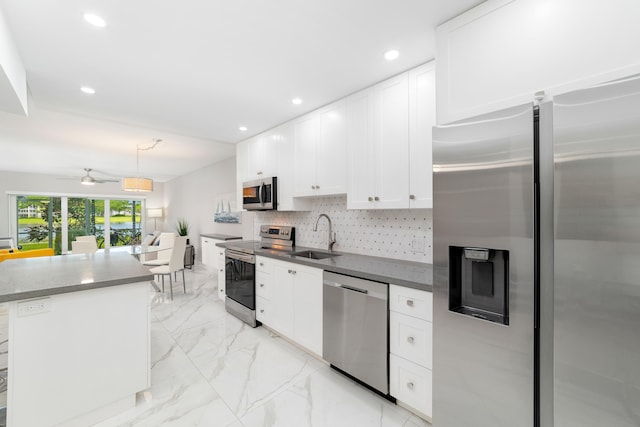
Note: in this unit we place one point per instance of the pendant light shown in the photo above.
(138, 184)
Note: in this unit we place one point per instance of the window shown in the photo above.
(39, 224)
(44, 221)
(125, 222)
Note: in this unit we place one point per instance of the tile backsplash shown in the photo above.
(398, 233)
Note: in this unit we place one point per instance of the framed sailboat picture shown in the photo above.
(225, 215)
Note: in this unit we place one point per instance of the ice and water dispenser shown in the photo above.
(479, 283)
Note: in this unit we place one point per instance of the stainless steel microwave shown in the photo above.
(260, 194)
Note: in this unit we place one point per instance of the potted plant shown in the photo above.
(183, 228)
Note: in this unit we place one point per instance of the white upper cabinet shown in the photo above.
(332, 150)
(263, 155)
(320, 164)
(500, 53)
(360, 154)
(389, 142)
(286, 135)
(307, 132)
(422, 117)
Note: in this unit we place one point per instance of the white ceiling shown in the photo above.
(192, 72)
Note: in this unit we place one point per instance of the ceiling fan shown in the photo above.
(90, 180)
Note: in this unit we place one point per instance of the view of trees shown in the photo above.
(40, 221)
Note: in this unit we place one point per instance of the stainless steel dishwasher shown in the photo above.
(355, 328)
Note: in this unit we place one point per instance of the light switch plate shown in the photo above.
(34, 306)
(417, 245)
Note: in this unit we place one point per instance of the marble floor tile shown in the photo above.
(414, 421)
(216, 339)
(176, 401)
(326, 398)
(184, 313)
(248, 377)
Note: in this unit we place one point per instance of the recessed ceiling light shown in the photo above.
(296, 101)
(94, 20)
(242, 128)
(390, 55)
(88, 90)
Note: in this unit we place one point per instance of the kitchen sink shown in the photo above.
(314, 254)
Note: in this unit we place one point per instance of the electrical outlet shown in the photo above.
(417, 245)
(35, 306)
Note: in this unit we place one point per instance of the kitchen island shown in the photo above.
(79, 337)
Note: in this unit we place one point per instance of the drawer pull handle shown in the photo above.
(410, 385)
(262, 285)
(410, 302)
(410, 340)
(261, 264)
(262, 311)
(289, 271)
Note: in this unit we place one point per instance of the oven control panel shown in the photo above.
(281, 232)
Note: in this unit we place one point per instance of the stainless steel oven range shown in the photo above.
(240, 267)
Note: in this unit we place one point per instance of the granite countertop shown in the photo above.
(39, 277)
(410, 274)
(220, 236)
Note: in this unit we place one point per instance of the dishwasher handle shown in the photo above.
(349, 288)
(364, 287)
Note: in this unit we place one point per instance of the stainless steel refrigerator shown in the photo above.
(537, 264)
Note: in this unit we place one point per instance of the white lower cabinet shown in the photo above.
(410, 384)
(411, 347)
(263, 310)
(213, 258)
(208, 248)
(264, 287)
(289, 301)
(282, 299)
(220, 266)
(411, 338)
(307, 308)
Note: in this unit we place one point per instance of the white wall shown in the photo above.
(195, 197)
(45, 184)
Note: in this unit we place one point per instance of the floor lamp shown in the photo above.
(154, 213)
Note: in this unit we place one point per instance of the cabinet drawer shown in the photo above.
(412, 302)
(264, 265)
(411, 384)
(263, 285)
(411, 338)
(263, 310)
(221, 283)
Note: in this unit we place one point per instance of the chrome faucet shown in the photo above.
(331, 239)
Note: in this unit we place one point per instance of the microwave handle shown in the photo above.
(260, 193)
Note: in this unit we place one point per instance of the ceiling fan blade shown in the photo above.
(102, 181)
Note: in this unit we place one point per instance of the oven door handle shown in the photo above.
(251, 259)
